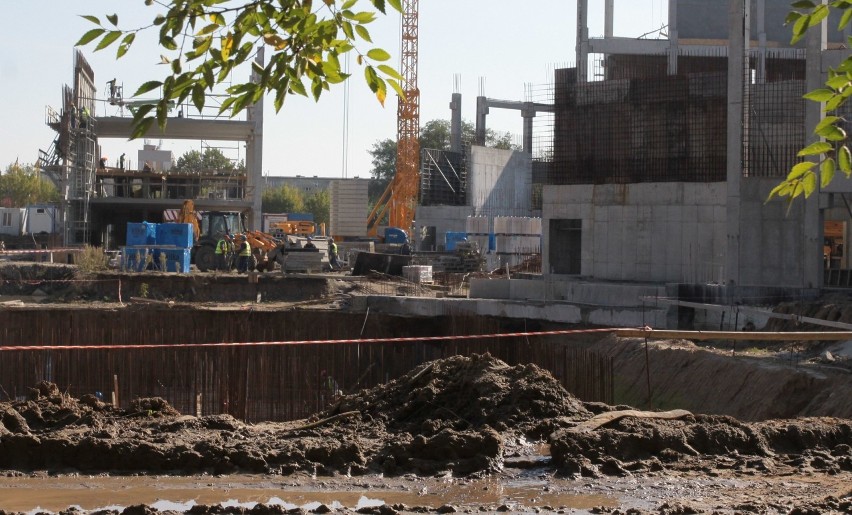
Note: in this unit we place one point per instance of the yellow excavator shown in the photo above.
(211, 226)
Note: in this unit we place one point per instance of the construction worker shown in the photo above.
(244, 255)
(332, 255)
(309, 244)
(222, 251)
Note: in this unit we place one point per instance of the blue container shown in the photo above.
(177, 260)
(395, 235)
(452, 238)
(179, 235)
(141, 233)
(492, 242)
(300, 217)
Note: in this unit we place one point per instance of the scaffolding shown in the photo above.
(443, 178)
(635, 123)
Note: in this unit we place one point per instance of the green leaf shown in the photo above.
(298, 88)
(396, 4)
(363, 32)
(819, 13)
(89, 36)
(834, 133)
(819, 147)
(803, 4)
(844, 160)
(390, 72)
(371, 78)
(207, 30)
(826, 172)
(377, 54)
(148, 86)
(844, 19)
(838, 82)
(108, 39)
(799, 28)
(316, 88)
(819, 95)
(825, 122)
(397, 87)
(809, 182)
(113, 18)
(791, 17)
(348, 4)
(168, 43)
(141, 127)
(800, 169)
(125, 45)
(364, 17)
(379, 5)
(198, 97)
(91, 18)
(782, 190)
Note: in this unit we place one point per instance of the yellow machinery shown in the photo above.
(300, 228)
(399, 200)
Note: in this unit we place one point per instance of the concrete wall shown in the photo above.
(661, 232)
(348, 207)
(499, 182)
(772, 242)
(443, 218)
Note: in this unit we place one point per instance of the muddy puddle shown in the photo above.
(53, 494)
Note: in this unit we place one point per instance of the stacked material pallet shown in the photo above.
(479, 231)
(517, 238)
(348, 209)
(303, 261)
(419, 274)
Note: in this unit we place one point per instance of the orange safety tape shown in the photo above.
(301, 342)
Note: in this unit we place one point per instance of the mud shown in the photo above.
(460, 417)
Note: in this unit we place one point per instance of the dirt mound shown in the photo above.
(705, 442)
(458, 414)
(468, 392)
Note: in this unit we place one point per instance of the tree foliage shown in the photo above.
(22, 185)
(204, 40)
(318, 204)
(211, 160)
(434, 134)
(823, 158)
(283, 199)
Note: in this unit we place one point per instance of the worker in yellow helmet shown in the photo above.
(244, 254)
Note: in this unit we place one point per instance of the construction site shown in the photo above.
(610, 319)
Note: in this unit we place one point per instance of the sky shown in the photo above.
(468, 46)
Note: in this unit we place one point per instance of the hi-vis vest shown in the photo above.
(245, 248)
(221, 247)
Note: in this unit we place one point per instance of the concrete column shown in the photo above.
(254, 155)
(761, 42)
(456, 123)
(481, 114)
(813, 233)
(673, 38)
(582, 40)
(528, 113)
(738, 40)
(608, 17)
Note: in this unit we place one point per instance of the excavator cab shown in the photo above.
(214, 225)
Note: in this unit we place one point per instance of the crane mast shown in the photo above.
(399, 200)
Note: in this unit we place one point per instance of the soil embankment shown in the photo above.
(461, 416)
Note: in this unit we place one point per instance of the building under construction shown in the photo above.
(100, 197)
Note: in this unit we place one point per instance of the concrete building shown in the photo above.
(662, 165)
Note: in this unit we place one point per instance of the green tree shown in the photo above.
(319, 204)
(384, 166)
(202, 41)
(212, 160)
(22, 185)
(824, 157)
(283, 199)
